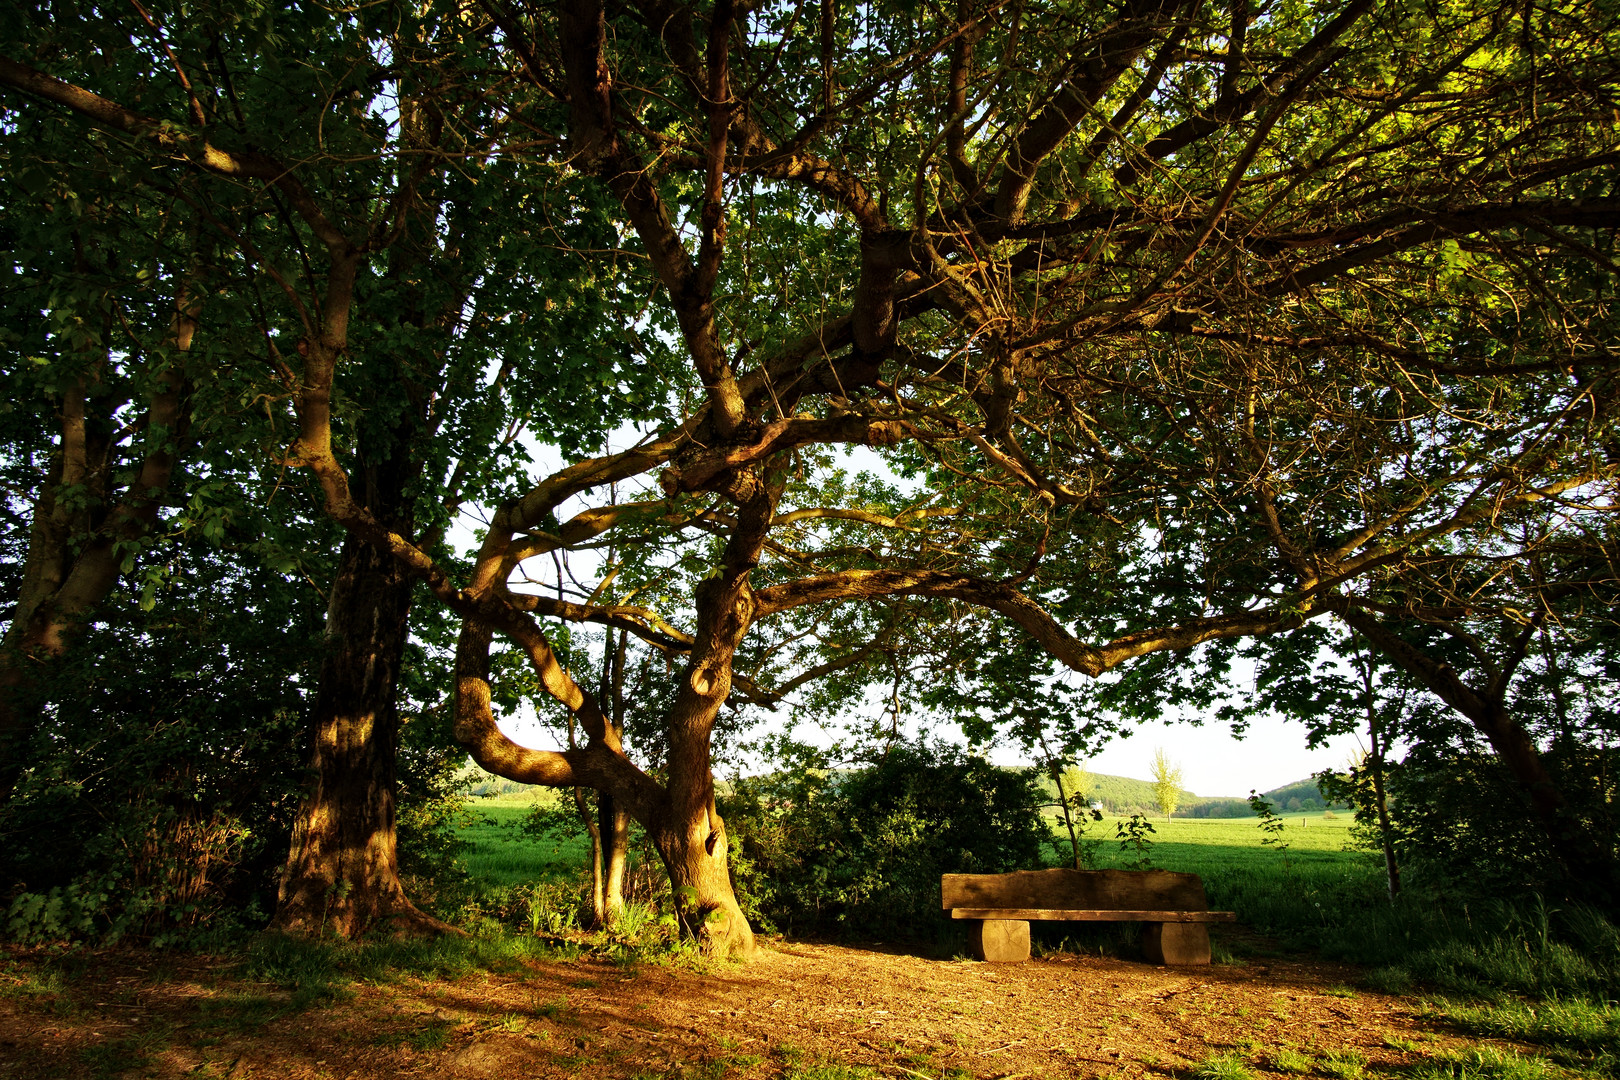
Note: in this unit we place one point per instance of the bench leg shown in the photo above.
(1175, 943)
(999, 941)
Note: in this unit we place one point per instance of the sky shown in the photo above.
(1214, 763)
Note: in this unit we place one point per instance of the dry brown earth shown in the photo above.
(809, 1011)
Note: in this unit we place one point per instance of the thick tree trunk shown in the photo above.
(693, 849)
(692, 840)
(342, 874)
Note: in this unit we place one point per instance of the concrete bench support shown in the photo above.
(999, 941)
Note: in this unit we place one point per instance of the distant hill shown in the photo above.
(1124, 795)
(1118, 795)
(1302, 795)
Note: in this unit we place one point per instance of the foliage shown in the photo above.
(1271, 826)
(1071, 788)
(861, 851)
(1463, 827)
(159, 798)
(1135, 837)
(1304, 796)
(1209, 344)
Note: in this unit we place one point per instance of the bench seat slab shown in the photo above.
(1092, 915)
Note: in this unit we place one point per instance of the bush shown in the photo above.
(819, 851)
(155, 796)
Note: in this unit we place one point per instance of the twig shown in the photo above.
(1006, 1046)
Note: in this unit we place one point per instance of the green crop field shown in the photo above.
(1313, 881)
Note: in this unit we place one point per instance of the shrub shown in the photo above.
(816, 850)
(154, 798)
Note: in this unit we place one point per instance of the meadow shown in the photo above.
(502, 855)
(1262, 883)
(1299, 892)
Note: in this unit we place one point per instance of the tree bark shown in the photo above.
(342, 874)
(613, 825)
(692, 840)
(74, 557)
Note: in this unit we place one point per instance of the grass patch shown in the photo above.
(1291, 1061)
(114, 1056)
(240, 1014)
(1485, 1063)
(1578, 1033)
(315, 969)
(828, 1071)
(557, 1010)
(45, 988)
(1222, 1067)
(1344, 1065)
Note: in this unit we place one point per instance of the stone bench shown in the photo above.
(999, 907)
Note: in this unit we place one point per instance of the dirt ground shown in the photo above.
(808, 1011)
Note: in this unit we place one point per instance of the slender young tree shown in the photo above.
(1166, 782)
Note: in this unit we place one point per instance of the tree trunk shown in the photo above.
(1392, 870)
(692, 840)
(599, 908)
(342, 874)
(1375, 761)
(74, 556)
(613, 825)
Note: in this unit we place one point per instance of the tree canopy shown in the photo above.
(1174, 324)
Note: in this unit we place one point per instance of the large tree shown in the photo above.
(1143, 295)
(377, 229)
(1174, 323)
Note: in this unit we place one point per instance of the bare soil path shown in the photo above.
(810, 1011)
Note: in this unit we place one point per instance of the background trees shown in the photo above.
(1173, 324)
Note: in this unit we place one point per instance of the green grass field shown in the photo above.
(502, 855)
(1265, 886)
(1309, 894)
